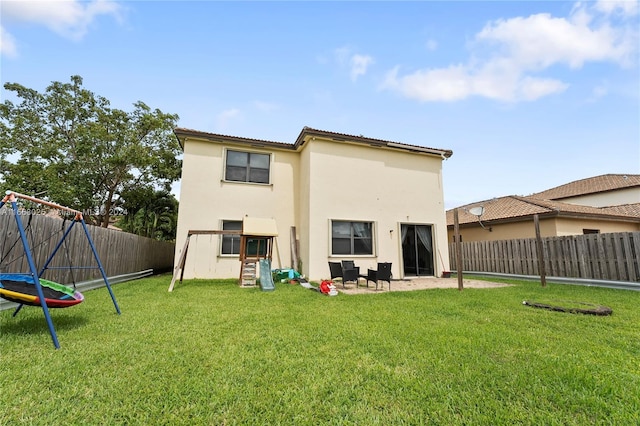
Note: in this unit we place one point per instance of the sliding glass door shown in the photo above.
(417, 249)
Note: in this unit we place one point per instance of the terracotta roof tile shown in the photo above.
(625, 209)
(446, 152)
(497, 208)
(184, 132)
(181, 131)
(590, 185)
(513, 207)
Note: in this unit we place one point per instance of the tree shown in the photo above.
(69, 145)
(150, 213)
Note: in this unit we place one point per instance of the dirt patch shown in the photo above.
(414, 284)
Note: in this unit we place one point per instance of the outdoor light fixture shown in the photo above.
(478, 211)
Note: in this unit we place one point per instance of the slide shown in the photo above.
(266, 280)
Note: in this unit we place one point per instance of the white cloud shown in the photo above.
(431, 45)
(624, 7)
(68, 18)
(508, 53)
(599, 91)
(459, 82)
(359, 65)
(539, 41)
(7, 43)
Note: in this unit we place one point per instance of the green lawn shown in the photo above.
(213, 353)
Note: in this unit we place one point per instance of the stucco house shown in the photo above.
(600, 204)
(347, 198)
(598, 191)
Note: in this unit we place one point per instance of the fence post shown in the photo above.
(543, 278)
(456, 227)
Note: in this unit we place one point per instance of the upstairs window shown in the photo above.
(351, 238)
(247, 167)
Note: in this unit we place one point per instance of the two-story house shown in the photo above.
(347, 198)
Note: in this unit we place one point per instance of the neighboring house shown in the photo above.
(608, 203)
(348, 197)
(599, 191)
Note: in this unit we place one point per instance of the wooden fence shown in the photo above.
(612, 256)
(119, 252)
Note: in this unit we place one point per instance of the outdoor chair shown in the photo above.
(350, 272)
(335, 269)
(338, 271)
(383, 273)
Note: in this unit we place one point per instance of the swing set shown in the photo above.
(29, 288)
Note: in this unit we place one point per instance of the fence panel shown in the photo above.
(119, 252)
(612, 256)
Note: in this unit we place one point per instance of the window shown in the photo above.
(247, 167)
(351, 238)
(256, 247)
(590, 231)
(231, 243)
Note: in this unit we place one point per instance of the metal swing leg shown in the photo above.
(34, 273)
(104, 275)
(17, 310)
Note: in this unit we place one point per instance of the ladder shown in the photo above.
(248, 272)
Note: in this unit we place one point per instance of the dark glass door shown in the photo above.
(417, 250)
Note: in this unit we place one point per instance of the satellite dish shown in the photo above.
(477, 211)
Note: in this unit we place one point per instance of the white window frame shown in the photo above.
(374, 239)
(224, 169)
(222, 237)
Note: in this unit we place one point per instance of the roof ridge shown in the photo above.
(591, 185)
(539, 202)
(185, 129)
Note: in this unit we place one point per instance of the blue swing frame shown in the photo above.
(12, 197)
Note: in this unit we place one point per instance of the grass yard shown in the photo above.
(213, 353)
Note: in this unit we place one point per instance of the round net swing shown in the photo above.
(21, 288)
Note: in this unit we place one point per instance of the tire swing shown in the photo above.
(21, 288)
(28, 288)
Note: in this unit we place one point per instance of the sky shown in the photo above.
(528, 95)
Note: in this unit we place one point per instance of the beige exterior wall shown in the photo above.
(324, 181)
(576, 227)
(552, 227)
(607, 199)
(387, 187)
(206, 200)
(506, 231)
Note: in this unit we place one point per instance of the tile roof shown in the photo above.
(181, 131)
(371, 141)
(215, 137)
(590, 185)
(627, 209)
(512, 207)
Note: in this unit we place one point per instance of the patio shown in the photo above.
(417, 283)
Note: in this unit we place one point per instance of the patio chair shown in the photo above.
(335, 270)
(383, 273)
(338, 271)
(348, 268)
(348, 264)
